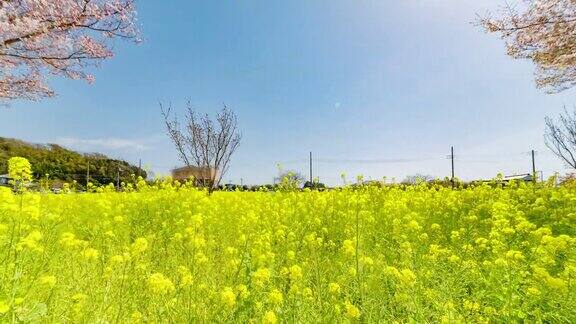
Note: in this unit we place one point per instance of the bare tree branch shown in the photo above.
(560, 137)
(204, 143)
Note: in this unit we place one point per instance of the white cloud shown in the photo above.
(108, 143)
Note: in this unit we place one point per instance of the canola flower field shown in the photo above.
(170, 253)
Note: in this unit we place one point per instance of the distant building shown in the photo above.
(201, 175)
(527, 177)
(519, 177)
(4, 180)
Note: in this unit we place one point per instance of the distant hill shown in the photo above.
(61, 164)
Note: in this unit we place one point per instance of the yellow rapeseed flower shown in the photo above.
(269, 318)
(48, 281)
(90, 254)
(31, 242)
(69, 240)
(351, 310)
(186, 278)
(261, 276)
(159, 284)
(367, 261)
(295, 272)
(407, 277)
(352, 272)
(349, 248)
(4, 307)
(454, 258)
(275, 297)
(139, 246)
(136, 317)
(228, 297)
(533, 291)
(334, 288)
(243, 291)
(116, 259)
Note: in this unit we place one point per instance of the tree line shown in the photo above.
(57, 164)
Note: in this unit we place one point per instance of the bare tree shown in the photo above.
(203, 142)
(290, 177)
(560, 137)
(417, 178)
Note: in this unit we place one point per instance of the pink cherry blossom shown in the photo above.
(60, 37)
(543, 31)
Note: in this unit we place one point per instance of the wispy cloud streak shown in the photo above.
(107, 143)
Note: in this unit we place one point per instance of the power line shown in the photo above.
(293, 161)
(374, 161)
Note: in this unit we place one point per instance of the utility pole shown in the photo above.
(118, 180)
(310, 167)
(87, 175)
(452, 158)
(533, 166)
(139, 167)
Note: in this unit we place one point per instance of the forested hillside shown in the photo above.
(58, 163)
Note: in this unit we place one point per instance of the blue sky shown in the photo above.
(359, 83)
